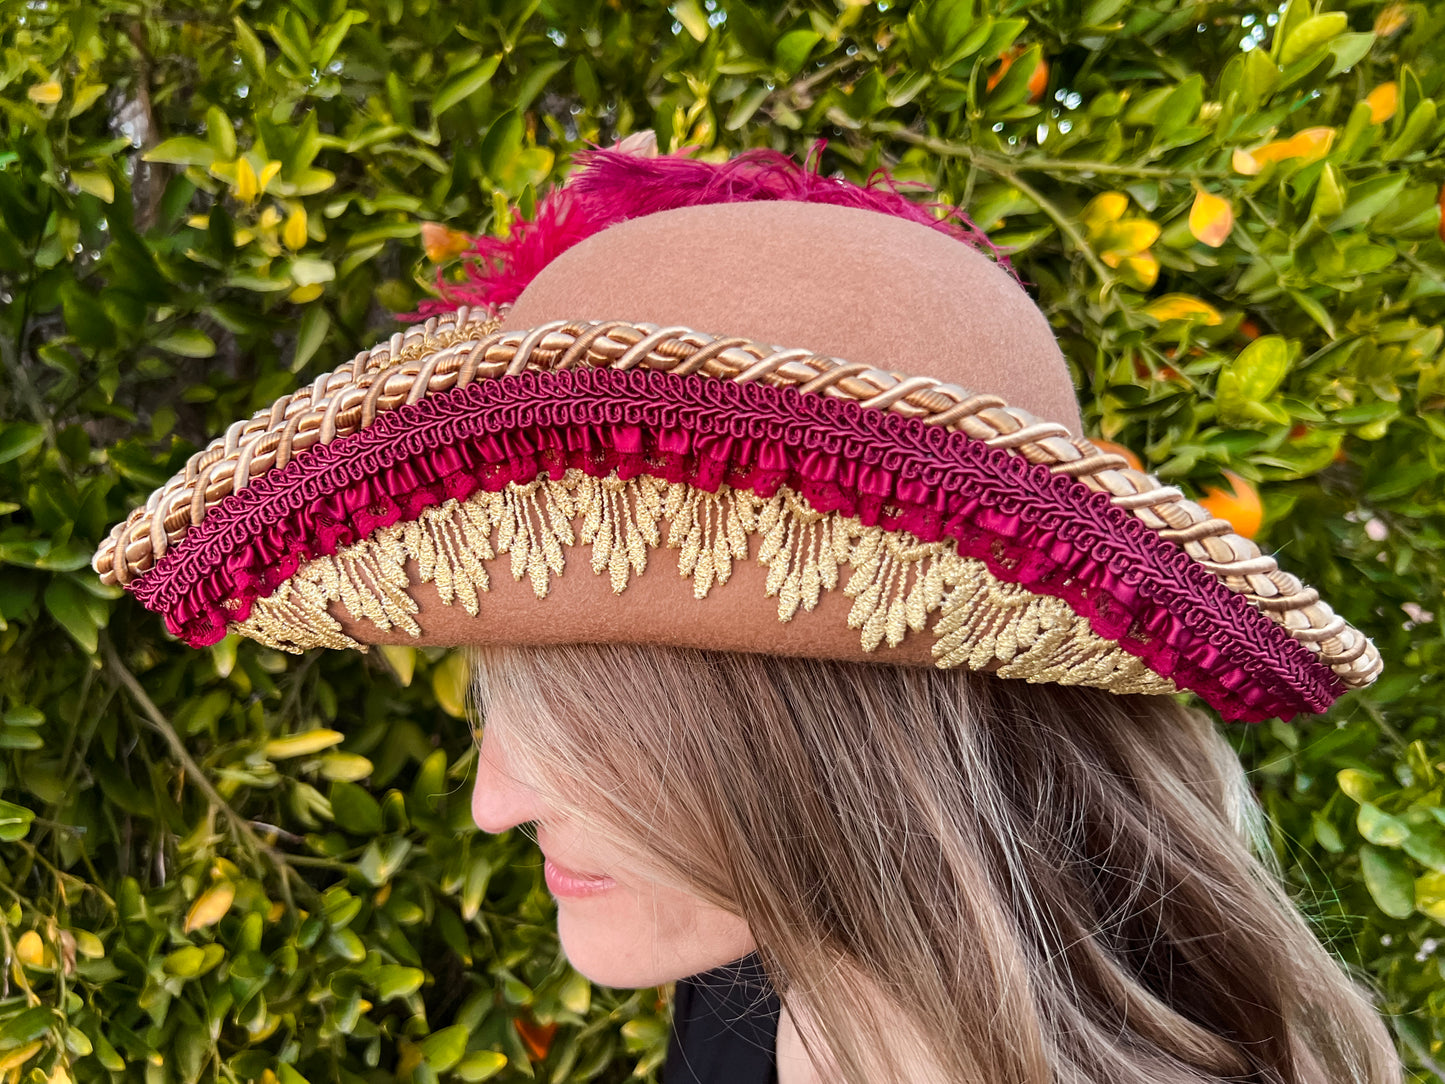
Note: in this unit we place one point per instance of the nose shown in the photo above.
(500, 800)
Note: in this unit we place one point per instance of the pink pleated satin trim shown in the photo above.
(1046, 531)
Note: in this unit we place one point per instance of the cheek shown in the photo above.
(634, 937)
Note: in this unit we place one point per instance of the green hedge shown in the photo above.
(235, 865)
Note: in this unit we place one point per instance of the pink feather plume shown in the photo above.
(613, 186)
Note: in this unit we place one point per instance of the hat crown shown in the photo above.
(841, 281)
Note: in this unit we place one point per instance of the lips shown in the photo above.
(562, 881)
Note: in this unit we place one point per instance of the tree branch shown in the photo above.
(163, 726)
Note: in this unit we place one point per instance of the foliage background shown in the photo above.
(235, 865)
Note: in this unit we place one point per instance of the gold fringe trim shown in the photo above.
(986, 624)
(896, 582)
(711, 530)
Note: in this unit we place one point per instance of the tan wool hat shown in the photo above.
(742, 407)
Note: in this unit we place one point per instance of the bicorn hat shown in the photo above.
(739, 406)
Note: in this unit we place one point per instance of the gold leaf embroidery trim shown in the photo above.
(896, 581)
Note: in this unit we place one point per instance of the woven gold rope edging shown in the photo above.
(454, 350)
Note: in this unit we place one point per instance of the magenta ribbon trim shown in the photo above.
(1031, 526)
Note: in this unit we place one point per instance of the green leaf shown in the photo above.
(1427, 846)
(249, 47)
(310, 334)
(1013, 88)
(1251, 378)
(393, 981)
(1315, 311)
(96, 184)
(1355, 783)
(182, 151)
(464, 84)
(1379, 827)
(693, 19)
(1419, 126)
(354, 809)
(187, 343)
(1260, 366)
(1314, 31)
(1368, 199)
(481, 1065)
(444, 1048)
(23, 716)
(220, 133)
(185, 962)
(14, 822)
(308, 270)
(1326, 834)
(71, 606)
(1180, 107)
(18, 438)
(27, 1026)
(306, 743)
(401, 659)
(1348, 50)
(744, 108)
(576, 994)
(449, 681)
(502, 142)
(223, 654)
(345, 767)
(106, 1054)
(792, 49)
(1389, 880)
(86, 317)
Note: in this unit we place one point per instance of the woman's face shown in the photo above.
(618, 924)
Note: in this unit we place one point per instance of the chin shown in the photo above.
(607, 954)
(632, 954)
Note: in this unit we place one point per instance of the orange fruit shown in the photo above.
(1038, 79)
(1005, 62)
(1240, 504)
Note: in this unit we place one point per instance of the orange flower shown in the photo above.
(1240, 504)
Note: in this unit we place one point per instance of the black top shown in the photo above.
(724, 1027)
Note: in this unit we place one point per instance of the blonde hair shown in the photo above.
(1021, 884)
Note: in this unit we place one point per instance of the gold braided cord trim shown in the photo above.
(896, 581)
(450, 352)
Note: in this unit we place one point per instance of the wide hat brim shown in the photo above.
(427, 436)
(843, 495)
